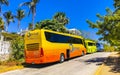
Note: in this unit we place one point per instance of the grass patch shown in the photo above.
(9, 65)
(9, 68)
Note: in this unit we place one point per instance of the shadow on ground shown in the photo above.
(98, 60)
(114, 63)
(45, 65)
(39, 65)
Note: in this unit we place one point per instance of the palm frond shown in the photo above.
(25, 4)
(6, 2)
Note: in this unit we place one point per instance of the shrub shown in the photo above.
(17, 46)
(109, 48)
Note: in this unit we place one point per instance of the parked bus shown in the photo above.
(90, 46)
(100, 47)
(45, 46)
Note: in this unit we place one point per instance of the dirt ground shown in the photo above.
(112, 65)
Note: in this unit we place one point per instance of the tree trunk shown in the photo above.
(7, 26)
(33, 20)
(18, 25)
(33, 16)
(6, 29)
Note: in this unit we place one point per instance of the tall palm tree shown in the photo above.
(1, 24)
(32, 8)
(20, 15)
(3, 2)
(9, 18)
(61, 18)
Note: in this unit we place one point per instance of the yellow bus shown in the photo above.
(90, 46)
(45, 46)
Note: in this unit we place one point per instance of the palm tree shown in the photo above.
(3, 2)
(9, 18)
(30, 26)
(32, 8)
(20, 15)
(61, 18)
(1, 24)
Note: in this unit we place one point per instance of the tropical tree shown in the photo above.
(30, 26)
(20, 15)
(3, 2)
(56, 24)
(61, 18)
(50, 25)
(32, 8)
(109, 25)
(117, 4)
(9, 18)
(1, 24)
(104, 26)
(47, 24)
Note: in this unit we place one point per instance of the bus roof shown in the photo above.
(87, 40)
(66, 34)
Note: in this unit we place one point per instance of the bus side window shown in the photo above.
(54, 38)
(48, 36)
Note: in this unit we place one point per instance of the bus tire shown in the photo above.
(83, 53)
(62, 58)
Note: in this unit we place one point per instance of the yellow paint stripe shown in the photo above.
(98, 72)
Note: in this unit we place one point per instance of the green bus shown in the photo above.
(90, 46)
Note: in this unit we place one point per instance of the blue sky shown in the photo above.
(76, 10)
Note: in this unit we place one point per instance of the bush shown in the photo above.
(17, 46)
(109, 48)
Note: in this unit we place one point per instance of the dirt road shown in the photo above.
(84, 65)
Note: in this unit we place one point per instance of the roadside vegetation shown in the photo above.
(108, 27)
(16, 57)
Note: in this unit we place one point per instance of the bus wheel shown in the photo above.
(62, 58)
(83, 53)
